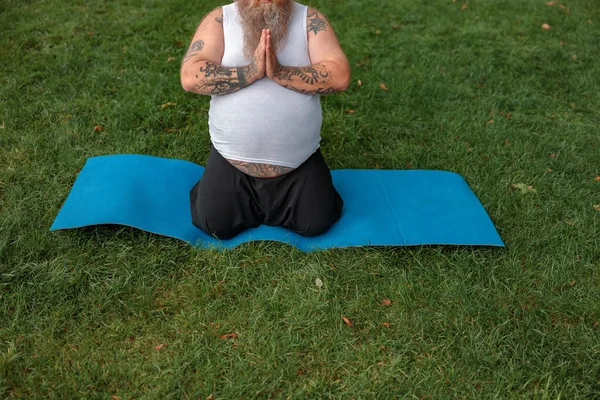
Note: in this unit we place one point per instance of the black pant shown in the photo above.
(226, 201)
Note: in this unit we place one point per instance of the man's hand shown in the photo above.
(256, 69)
(273, 67)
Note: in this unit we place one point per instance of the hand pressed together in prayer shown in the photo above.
(265, 61)
(273, 67)
(257, 68)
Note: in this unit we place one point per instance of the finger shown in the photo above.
(269, 43)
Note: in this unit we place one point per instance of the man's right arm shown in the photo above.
(201, 71)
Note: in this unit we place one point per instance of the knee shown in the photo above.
(212, 219)
(215, 225)
(314, 230)
(314, 225)
(318, 220)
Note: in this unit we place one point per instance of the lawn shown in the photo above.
(482, 88)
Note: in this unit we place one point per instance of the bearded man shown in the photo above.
(265, 63)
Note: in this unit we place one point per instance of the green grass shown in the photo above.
(84, 313)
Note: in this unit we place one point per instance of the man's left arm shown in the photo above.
(329, 70)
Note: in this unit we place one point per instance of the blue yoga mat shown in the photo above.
(381, 207)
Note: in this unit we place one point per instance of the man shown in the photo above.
(265, 63)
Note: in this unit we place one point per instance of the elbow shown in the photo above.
(187, 77)
(187, 87)
(345, 82)
(344, 79)
(186, 82)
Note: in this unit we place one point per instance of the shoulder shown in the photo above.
(213, 17)
(216, 15)
(315, 21)
(212, 22)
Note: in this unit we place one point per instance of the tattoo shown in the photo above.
(219, 19)
(220, 80)
(260, 170)
(316, 23)
(252, 68)
(241, 77)
(310, 75)
(197, 45)
(214, 70)
(318, 91)
(194, 49)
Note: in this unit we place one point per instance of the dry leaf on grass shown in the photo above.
(546, 26)
(160, 346)
(98, 128)
(383, 86)
(229, 335)
(464, 6)
(318, 283)
(524, 188)
(550, 3)
(347, 321)
(386, 324)
(386, 302)
(169, 104)
(596, 179)
(597, 207)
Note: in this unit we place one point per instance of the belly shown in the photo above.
(266, 123)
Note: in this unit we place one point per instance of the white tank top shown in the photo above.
(264, 122)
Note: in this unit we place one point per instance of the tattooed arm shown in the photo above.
(213, 79)
(329, 70)
(201, 70)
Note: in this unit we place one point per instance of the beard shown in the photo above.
(256, 16)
